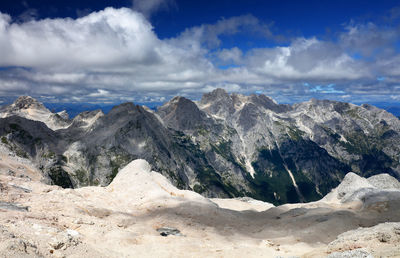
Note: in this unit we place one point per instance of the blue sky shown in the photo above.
(151, 50)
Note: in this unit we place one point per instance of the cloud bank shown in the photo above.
(114, 55)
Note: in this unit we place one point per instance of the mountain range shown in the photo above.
(225, 145)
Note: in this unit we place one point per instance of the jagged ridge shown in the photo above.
(226, 145)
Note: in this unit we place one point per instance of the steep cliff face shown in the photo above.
(34, 140)
(125, 133)
(224, 145)
(296, 153)
(182, 114)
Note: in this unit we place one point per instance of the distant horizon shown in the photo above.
(74, 108)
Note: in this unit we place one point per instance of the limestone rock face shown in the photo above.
(384, 181)
(136, 182)
(30, 108)
(86, 119)
(182, 114)
(372, 193)
(27, 102)
(225, 145)
(63, 114)
(141, 209)
(301, 151)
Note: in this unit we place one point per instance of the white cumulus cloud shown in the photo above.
(115, 54)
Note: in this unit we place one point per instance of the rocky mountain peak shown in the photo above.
(30, 108)
(216, 95)
(182, 102)
(268, 103)
(177, 99)
(27, 102)
(89, 114)
(87, 118)
(218, 103)
(226, 145)
(63, 114)
(122, 108)
(181, 113)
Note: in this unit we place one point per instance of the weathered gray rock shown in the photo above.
(357, 253)
(30, 108)
(13, 206)
(23, 189)
(226, 145)
(166, 231)
(384, 181)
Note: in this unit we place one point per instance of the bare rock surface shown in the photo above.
(242, 203)
(384, 181)
(355, 188)
(30, 108)
(382, 240)
(223, 146)
(130, 217)
(357, 253)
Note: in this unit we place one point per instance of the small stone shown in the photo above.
(166, 231)
(56, 244)
(80, 222)
(72, 232)
(26, 190)
(268, 243)
(11, 172)
(13, 206)
(384, 237)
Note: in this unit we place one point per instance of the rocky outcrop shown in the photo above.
(141, 209)
(182, 114)
(301, 152)
(355, 188)
(86, 119)
(381, 240)
(30, 108)
(225, 145)
(26, 102)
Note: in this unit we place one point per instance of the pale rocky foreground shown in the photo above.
(359, 218)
